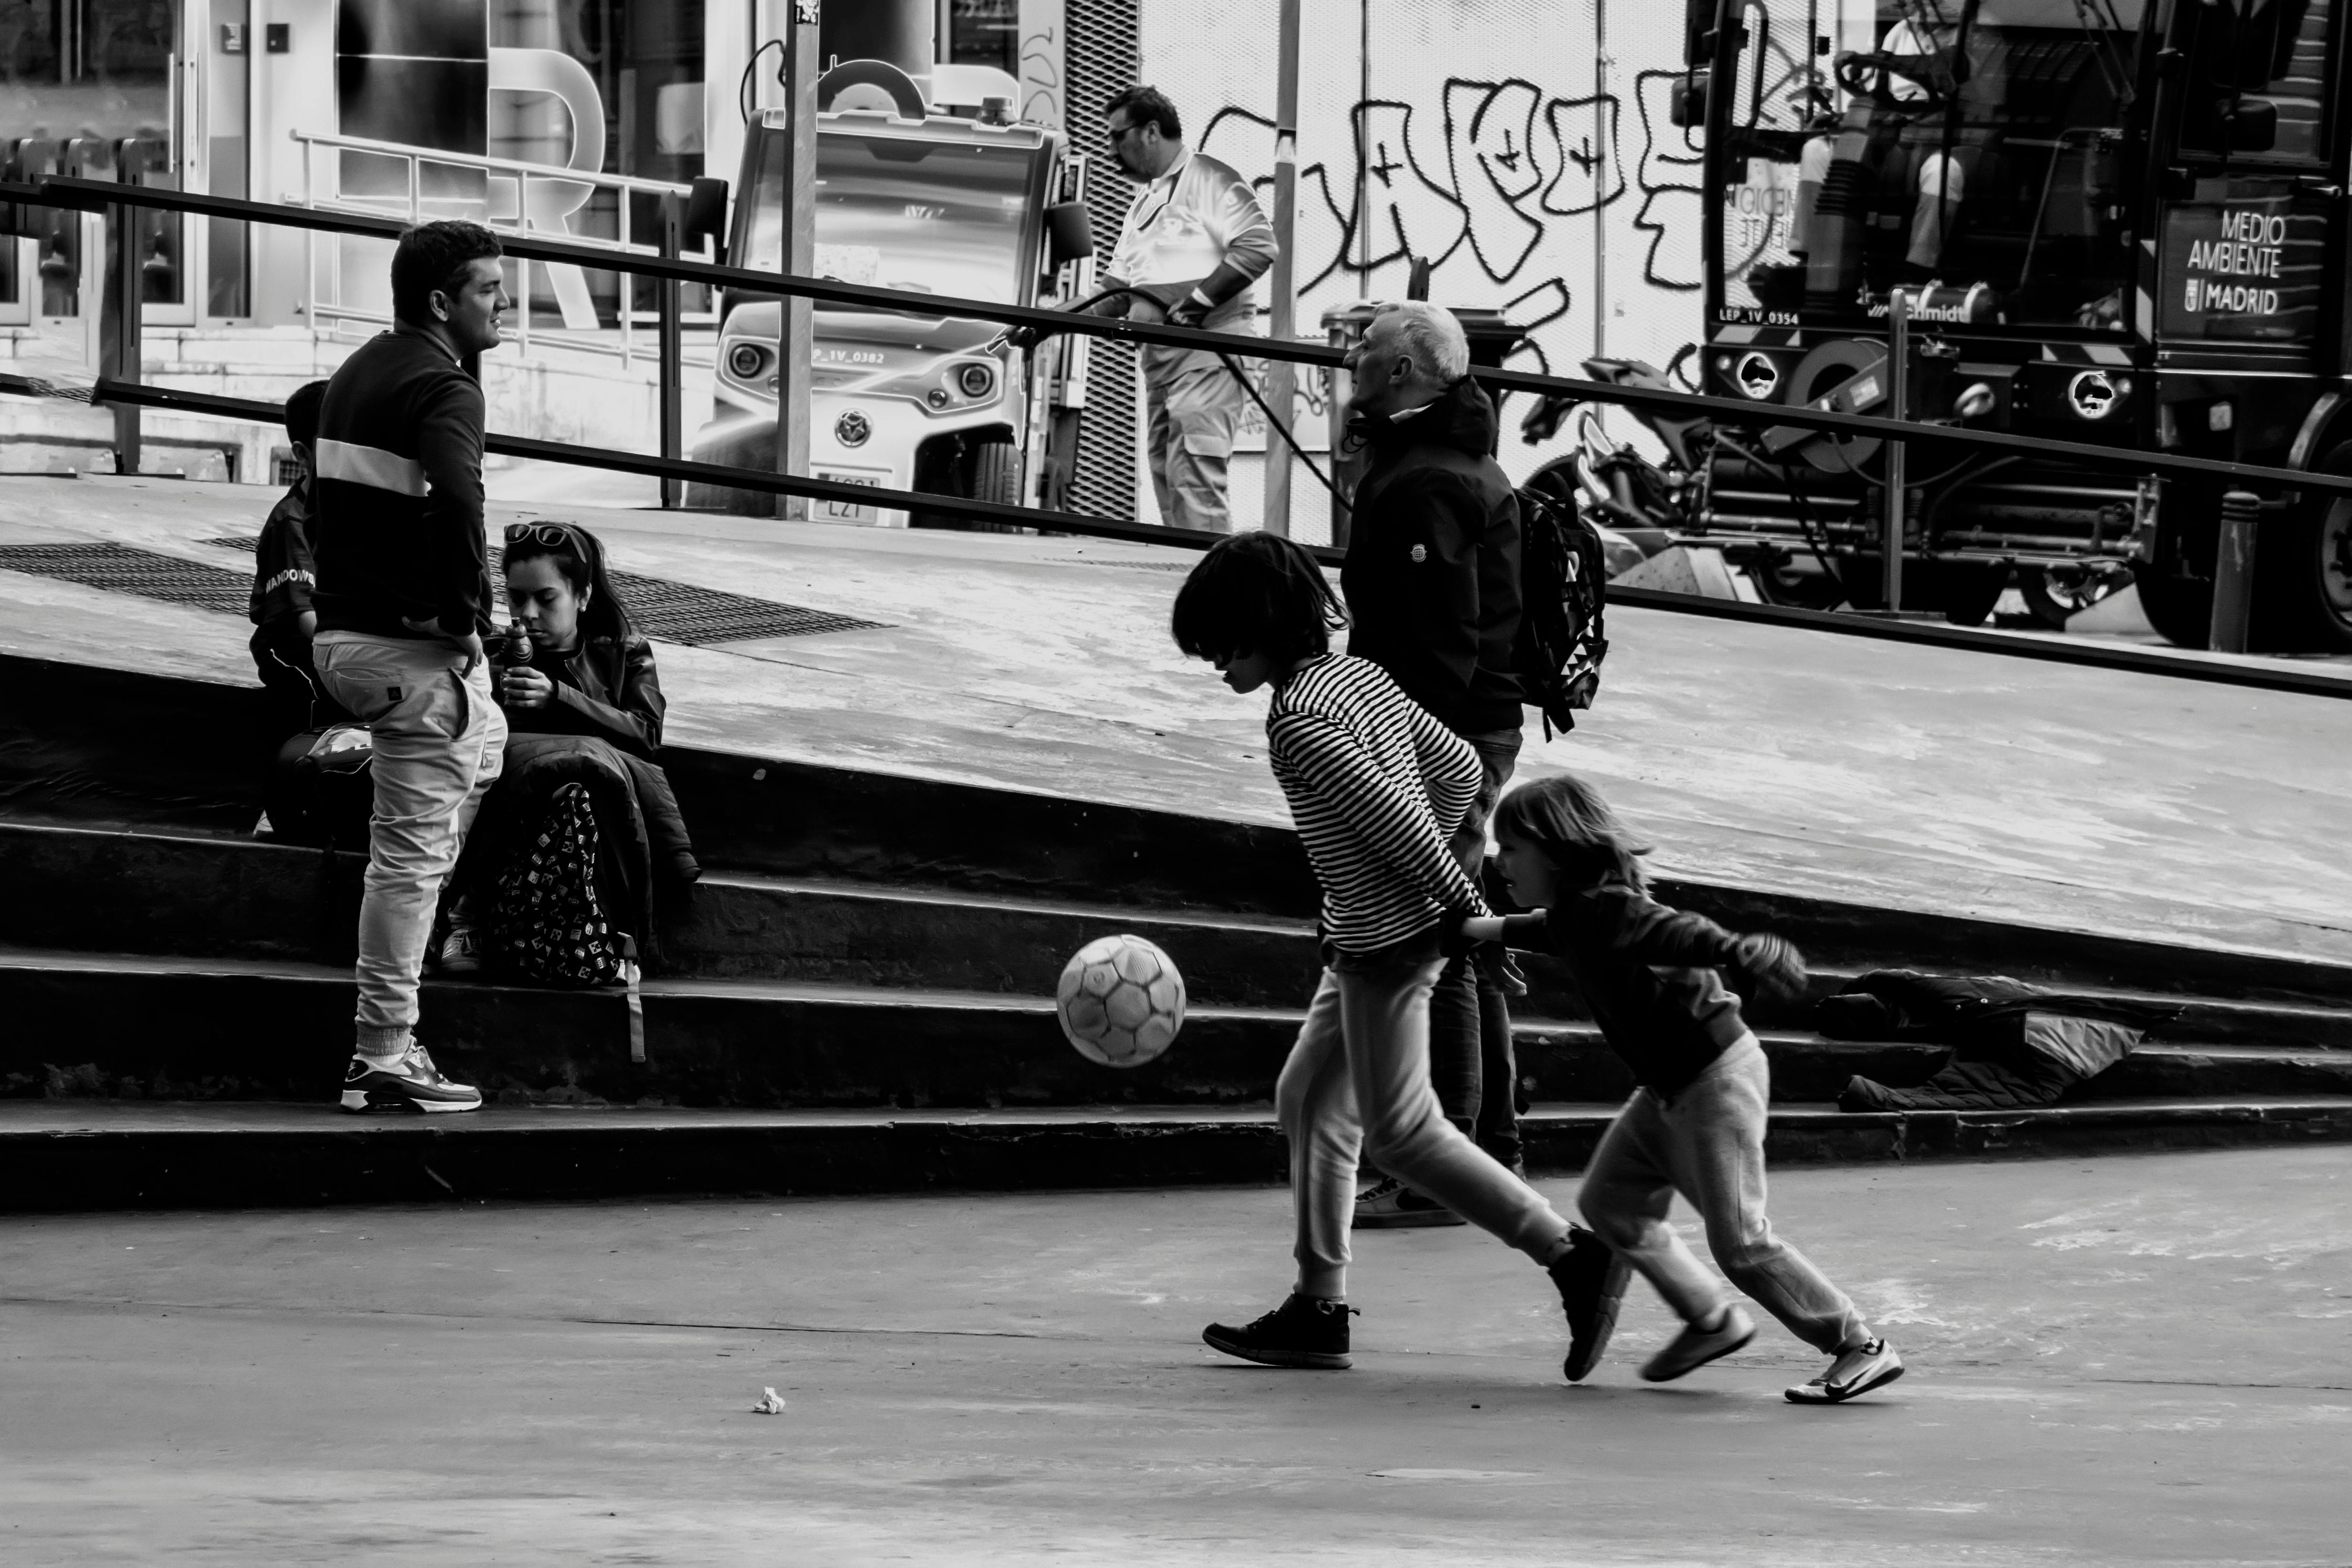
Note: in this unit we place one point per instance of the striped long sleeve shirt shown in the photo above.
(1375, 786)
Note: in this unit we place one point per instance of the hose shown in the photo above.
(1248, 386)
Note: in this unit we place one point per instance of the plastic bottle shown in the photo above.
(516, 652)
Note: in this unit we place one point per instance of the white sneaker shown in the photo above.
(413, 1083)
(460, 952)
(1694, 1347)
(1854, 1372)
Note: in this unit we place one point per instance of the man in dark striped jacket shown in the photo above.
(1376, 785)
(403, 601)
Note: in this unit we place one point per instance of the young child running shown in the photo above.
(1375, 785)
(1696, 1124)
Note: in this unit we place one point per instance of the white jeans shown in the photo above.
(439, 739)
(1358, 1082)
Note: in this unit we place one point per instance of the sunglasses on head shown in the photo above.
(554, 535)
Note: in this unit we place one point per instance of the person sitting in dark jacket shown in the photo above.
(283, 577)
(585, 706)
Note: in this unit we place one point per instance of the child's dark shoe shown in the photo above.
(1694, 1347)
(1305, 1331)
(1591, 1275)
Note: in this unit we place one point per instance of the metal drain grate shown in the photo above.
(1130, 565)
(674, 612)
(678, 612)
(122, 569)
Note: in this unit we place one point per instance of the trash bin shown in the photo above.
(1491, 339)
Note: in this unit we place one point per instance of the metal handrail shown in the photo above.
(2048, 651)
(483, 160)
(416, 157)
(97, 195)
(60, 191)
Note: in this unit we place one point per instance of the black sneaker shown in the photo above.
(1305, 1331)
(413, 1083)
(1389, 1205)
(1591, 1275)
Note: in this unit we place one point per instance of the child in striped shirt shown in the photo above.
(1376, 785)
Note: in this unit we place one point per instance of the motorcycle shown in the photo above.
(1654, 506)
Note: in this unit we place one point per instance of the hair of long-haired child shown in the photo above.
(1256, 592)
(1567, 819)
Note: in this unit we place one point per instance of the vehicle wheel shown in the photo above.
(1967, 594)
(1796, 582)
(2053, 601)
(2312, 590)
(997, 473)
(2180, 608)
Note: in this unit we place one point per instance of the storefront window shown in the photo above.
(84, 87)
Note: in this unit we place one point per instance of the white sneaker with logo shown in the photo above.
(1854, 1373)
(413, 1083)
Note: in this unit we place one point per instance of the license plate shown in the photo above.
(847, 510)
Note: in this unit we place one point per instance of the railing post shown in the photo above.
(2234, 571)
(125, 305)
(1898, 377)
(796, 342)
(672, 343)
(1282, 324)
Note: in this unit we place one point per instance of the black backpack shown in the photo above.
(1563, 592)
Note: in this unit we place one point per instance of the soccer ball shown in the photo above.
(1120, 1001)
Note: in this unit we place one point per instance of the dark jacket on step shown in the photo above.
(1433, 569)
(396, 527)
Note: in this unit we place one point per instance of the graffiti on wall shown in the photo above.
(1485, 180)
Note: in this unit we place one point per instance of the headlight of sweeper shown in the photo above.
(977, 380)
(746, 361)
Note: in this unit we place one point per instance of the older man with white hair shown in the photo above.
(1432, 584)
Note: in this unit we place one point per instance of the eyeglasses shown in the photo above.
(1119, 134)
(554, 535)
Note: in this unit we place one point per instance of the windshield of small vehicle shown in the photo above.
(1976, 147)
(892, 212)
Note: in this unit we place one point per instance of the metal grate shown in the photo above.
(1104, 53)
(675, 612)
(122, 569)
(1130, 565)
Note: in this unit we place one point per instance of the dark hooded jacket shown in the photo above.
(1433, 569)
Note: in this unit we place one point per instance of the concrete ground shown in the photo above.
(1883, 772)
(2139, 1360)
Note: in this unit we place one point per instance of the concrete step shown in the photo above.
(66, 887)
(197, 1029)
(69, 1155)
(170, 754)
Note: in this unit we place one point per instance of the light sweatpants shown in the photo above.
(439, 739)
(1707, 1143)
(1357, 1083)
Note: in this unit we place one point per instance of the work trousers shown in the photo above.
(438, 740)
(1358, 1082)
(1192, 406)
(1471, 1061)
(1707, 1143)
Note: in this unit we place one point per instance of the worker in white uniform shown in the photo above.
(1194, 242)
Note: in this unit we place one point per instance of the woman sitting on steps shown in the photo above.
(583, 822)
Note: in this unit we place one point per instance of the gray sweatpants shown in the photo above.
(1358, 1082)
(439, 739)
(1707, 1143)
